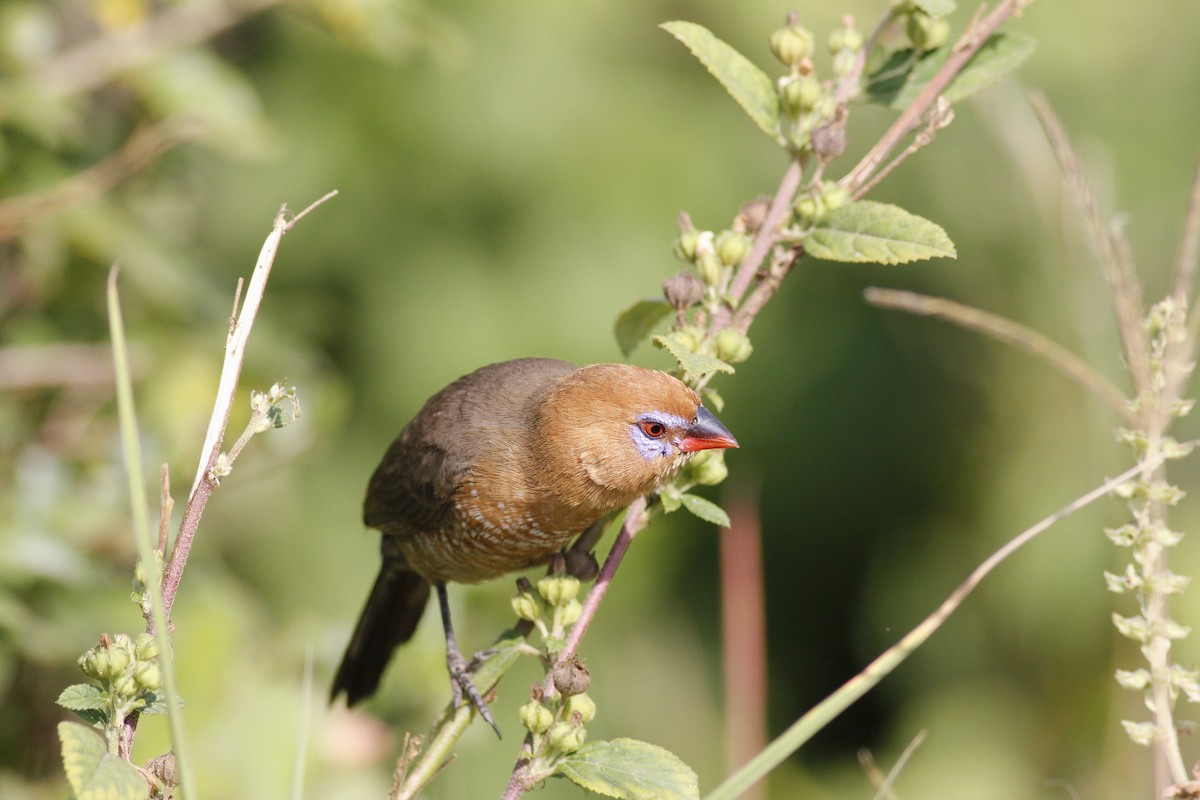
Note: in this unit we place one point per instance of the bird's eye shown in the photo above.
(655, 430)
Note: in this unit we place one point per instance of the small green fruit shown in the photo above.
(707, 467)
(792, 44)
(565, 737)
(834, 196)
(685, 245)
(536, 717)
(709, 267)
(558, 589)
(809, 208)
(146, 647)
(526, 606)
(570, 612)
(148, 677)
(732, 247)
(582, 705)
(843, 62)
(801, 94)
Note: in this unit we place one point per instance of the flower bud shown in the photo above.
(733, 346)
(565, 737)
(558, 589)
(809, 208)
(834, 196)
(925, 32)
(800, 94)
(570, 612)
(526, 606)
(685, 245)
(535, 717)
(732, 248)
(709, 267)
(147, 676)
(582, 705)
(120, 655)
(845, 38)
(843, 62)
(707, 467)
(125, 686)
(146, 647)
(96, 663)
(792, 44)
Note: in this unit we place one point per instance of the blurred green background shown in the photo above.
(509, 177)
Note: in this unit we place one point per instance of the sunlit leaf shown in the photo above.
(748, 84)
(94, 773)
(82, 697)
(870, 232)
(706, 510)
(635, 323)
(696, 364)
(631, 770)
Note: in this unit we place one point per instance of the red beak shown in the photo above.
(706, 433)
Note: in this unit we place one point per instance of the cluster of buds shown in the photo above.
(556, 715)
(553, 609)
(125, 667)
(925, 31)
(714, 255)
(817, 201)
(807, 102)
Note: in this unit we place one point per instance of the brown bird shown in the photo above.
(497, 473)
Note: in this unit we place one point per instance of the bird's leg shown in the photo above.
(580, 557)
(456, 664)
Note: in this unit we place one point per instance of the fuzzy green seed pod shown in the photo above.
(582, 705)
(565, 737)
(146, 647)
(707, 467)
(709, 267)
(125, 686)
(558, 589)
(120, 657)
(97, 664)
(809, 208)
(792, 44)
(843, 62)
(535, 717)
(147, 676)
(925, 32)
(526, 606)
(732, 247)
(844, 38)
(801, 94)
(733, 346)
(685, 245)
(834, 196)
(570, 612)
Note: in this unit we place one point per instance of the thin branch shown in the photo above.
(94, 63)
(165, 505)
(636, 519)
(883, 783)
(235, 353)
(768, 235)
(964, 49)
(142, 149)
(1110, 245)
(1005, 330)
(818, 717)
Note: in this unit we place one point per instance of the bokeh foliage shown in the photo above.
(509, 178)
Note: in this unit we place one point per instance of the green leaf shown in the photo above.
(156, 703)
(697, 364)
(636, 322)
(935, 8)
(706, 510)
(870, 232)
(748, 84)
(898, 82)
(631, 770)
(93, 772)
(83, 697)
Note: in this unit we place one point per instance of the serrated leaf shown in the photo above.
(670, 501)
(706, 510)
(747, 84)
(94, 773)
(697, 364)
(879, 233)
(898, 82)
(83, 697)
(156, 703)
(935, 8)
(635, 323)
(630, 770)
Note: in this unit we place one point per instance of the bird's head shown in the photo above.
(609, 432)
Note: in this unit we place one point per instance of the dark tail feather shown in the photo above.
(388, 621)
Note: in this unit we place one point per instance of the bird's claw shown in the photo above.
(461, 683)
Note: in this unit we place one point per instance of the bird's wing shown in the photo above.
(413, 488)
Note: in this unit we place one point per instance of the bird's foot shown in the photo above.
(460, 683)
